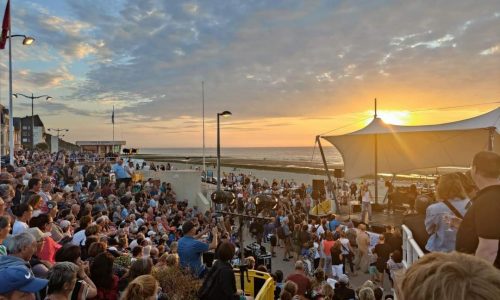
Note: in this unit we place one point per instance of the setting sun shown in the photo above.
(396, 117)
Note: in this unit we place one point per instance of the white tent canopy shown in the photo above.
(402, 149)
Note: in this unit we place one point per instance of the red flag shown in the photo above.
(5, 25)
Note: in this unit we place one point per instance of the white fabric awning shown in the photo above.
(402, 149)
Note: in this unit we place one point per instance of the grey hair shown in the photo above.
(4, 190)
(61, 273)
(17, 243)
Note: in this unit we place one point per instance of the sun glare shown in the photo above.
(396, 117)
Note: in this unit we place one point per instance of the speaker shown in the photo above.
(356, 208)
(338, 173)
(318, 185)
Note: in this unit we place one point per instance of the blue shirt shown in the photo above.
(120, 171)
(333, 224)
(442, 237)
(190, 253)
(124, 213)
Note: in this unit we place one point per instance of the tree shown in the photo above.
(42, 146)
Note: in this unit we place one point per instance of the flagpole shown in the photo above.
(113, 121)
(11, 113)
(203, 110)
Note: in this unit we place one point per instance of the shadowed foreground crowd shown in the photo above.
(69, 230)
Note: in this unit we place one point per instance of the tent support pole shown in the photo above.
(491, 138)
(376, 169)
(328, 175)
(376, 157)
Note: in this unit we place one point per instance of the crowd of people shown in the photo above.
(73, 226)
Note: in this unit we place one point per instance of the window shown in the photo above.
(25, 140)
(26, 127)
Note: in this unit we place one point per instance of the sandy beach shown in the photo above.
(310, 168)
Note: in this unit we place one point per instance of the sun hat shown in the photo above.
(38, 234)
(344, 279)
(20, 278)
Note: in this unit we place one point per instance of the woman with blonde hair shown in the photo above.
(144, 287)
(453, 203)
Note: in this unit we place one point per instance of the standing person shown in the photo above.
(478, 233)
(383, 252)
(337, 259)
(270, 231)
(363, 241)
(453, 202)
(390, 197)
(191, 250)
(412, 196)
(121, 174)
(347, 253)
(287, 233)
(300, 279)
(366, 204)
(327, 245)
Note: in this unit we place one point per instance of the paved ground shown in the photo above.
(356, 281)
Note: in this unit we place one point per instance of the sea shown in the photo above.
(289, 155)
(292, 154)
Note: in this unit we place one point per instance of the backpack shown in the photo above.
(281, 233)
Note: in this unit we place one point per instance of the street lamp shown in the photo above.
(224, 114)
(59, 130)
(32, 97)
(26, 41)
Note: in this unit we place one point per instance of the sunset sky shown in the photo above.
(287, 70)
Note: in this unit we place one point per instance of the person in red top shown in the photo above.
(50, 247)
(299, 278)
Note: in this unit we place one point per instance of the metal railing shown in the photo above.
(411, 250)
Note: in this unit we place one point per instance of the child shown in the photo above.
(394, 264)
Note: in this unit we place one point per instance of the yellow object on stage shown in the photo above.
(137, 177)
(321, 209)
(259, 285)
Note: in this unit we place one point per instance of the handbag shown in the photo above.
(349, 253)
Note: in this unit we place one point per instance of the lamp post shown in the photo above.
(58, 130)
(26, 41)
(224, 114)
(32, 97)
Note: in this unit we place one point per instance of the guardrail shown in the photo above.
(411, 250)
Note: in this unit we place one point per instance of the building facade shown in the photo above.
(101, 147)
(4, 130)
(24, 135)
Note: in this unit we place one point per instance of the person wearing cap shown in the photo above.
(19, 283)
(191, 250)
(342, 290)
(21, 248)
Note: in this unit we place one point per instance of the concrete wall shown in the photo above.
(185, 183)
